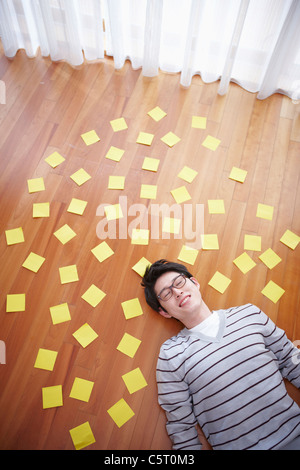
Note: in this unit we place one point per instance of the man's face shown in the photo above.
(185, 301)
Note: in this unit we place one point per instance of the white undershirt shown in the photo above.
(209, 326)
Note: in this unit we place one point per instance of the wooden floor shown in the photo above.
(48, 107)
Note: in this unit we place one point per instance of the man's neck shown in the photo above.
(204, 312)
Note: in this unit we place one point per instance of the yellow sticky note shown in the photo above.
(33, 262)
(15, 303)
(81, 389)
(244, 262)
(171, 225)
(157, 113)
(150, 164)
(90, 137)
(238, 174)
(80, 177)
(113, 212)
(116, 182)
(264, 211)
(65, 234)
(60, 313)
(252, 242)
(77, 206)
(199, 122)
(14, 236)
(129, 345)
(134, 380)
(148, 191)
(290, 239)
(270, 258)
(209, 241)
(102, 251)
(93, 295)
(68, 274)
(120, 412)
(54, 159)
(41, 209)
(115, 154)
(273, 291)
(216, 206)
(118, 124)
(145, 138)
(187, 174)
(211, 143)
(170, 139)
(82, 436)
(85, 335)
(181, 194)
(132, 308)
(52, 396)
(188, 254)
(139, 236)
(141, 265)
(45, 359)
(35, 185)
(219, 282)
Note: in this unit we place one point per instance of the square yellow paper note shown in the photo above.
(210, 241)
(150, 164)
(52, 396)
(181, 194)
(238, 174)
(140, 236)
(252, 242)
(82, 436)
(80, 177)
(93, 295)
(116, 182)
(273, 291)
(35, 185)
(129, 345)
(140, 266)
(290, 239)
(216, 206)
(219, 282)
(157, 113)
(90, 137)
(170, 139)
(85, 335)
(15, 303)
(270, 258)
(54, 159)
(113, 212)
(102, 251)
(145, 138)
(81, 389)
(77, 206)
(199, 122)
(132, 308)
(60, 313)
(45, 359)
(187, 174)
(14, 236)
(188, 254)
(244, 262)
(115, 154)
(64, 234)
(33, 262)
(41, 209)
(68, 274)
(211, 143)
(134, 380)
(264, 211)
(171, 225)
(120, 412)
(148, 191)
(118, 124)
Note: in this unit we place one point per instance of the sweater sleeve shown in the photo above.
(175, 399)
(287, 355)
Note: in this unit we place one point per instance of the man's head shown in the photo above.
(171, 290)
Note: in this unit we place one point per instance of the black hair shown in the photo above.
(151, 275)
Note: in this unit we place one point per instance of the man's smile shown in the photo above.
(184, 300)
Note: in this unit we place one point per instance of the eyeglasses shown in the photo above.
(167, 292)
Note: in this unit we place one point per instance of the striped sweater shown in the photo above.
(232, 385)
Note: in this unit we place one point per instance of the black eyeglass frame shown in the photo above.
(171, 287)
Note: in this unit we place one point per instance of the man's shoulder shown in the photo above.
(242, 310)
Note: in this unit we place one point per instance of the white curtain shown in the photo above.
(255, 43)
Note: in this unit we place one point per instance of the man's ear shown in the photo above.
(164, 313)
(194, 280)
